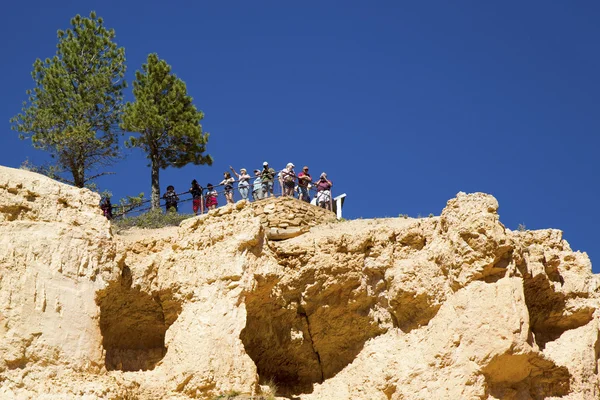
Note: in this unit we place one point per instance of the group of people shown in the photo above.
(259, 188)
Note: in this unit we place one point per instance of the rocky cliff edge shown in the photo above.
(449, 307)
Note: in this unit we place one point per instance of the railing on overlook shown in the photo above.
(129, 210)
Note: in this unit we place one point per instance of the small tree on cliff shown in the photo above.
(167, 122)
(74, 110)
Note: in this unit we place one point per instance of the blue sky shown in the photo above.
(403, 104)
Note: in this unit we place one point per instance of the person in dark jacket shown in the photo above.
(171, 199)
(106, 207)
(196, 192)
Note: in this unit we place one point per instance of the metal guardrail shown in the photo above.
(128, 210)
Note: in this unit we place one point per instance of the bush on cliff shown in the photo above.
(151, 220)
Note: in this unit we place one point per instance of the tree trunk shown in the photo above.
(78, 176)
(155, 185)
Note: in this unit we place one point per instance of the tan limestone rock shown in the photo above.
(449, 307)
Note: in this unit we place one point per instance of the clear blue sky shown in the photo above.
(404, 104)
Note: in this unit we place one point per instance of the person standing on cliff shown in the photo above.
(171, 199)
(324, 192)
(228, 183)
(257, 186)
(287, 179)
(211, 197)
(268, 176)
(106, 207)
(196, 192)
(244, 182)
(304, 179)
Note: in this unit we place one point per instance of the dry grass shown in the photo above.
(151, 220)
(270, 391)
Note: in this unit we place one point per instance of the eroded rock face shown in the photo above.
(56, 251)
(449, 307)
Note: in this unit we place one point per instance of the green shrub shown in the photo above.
(151, 220)
(129, 203)
(230, 394)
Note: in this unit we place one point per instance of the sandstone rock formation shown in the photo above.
(449, 307)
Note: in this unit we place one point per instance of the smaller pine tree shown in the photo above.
(166, 121)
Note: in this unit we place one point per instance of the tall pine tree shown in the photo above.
(167, 123)
(75, 108)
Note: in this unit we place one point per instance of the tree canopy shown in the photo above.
(166, 120)
(74, 109)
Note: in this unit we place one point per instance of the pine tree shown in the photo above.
(75, 107)
(167, 123)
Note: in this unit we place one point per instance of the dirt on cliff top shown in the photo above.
(354, 227)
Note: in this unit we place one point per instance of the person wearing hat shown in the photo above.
(287, 179)
(244, 182)
(324, 192)
(304, 179)
(268, 176)
(257, 192)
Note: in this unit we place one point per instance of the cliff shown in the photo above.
(448, 307)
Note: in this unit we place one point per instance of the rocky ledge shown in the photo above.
(449, 307)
